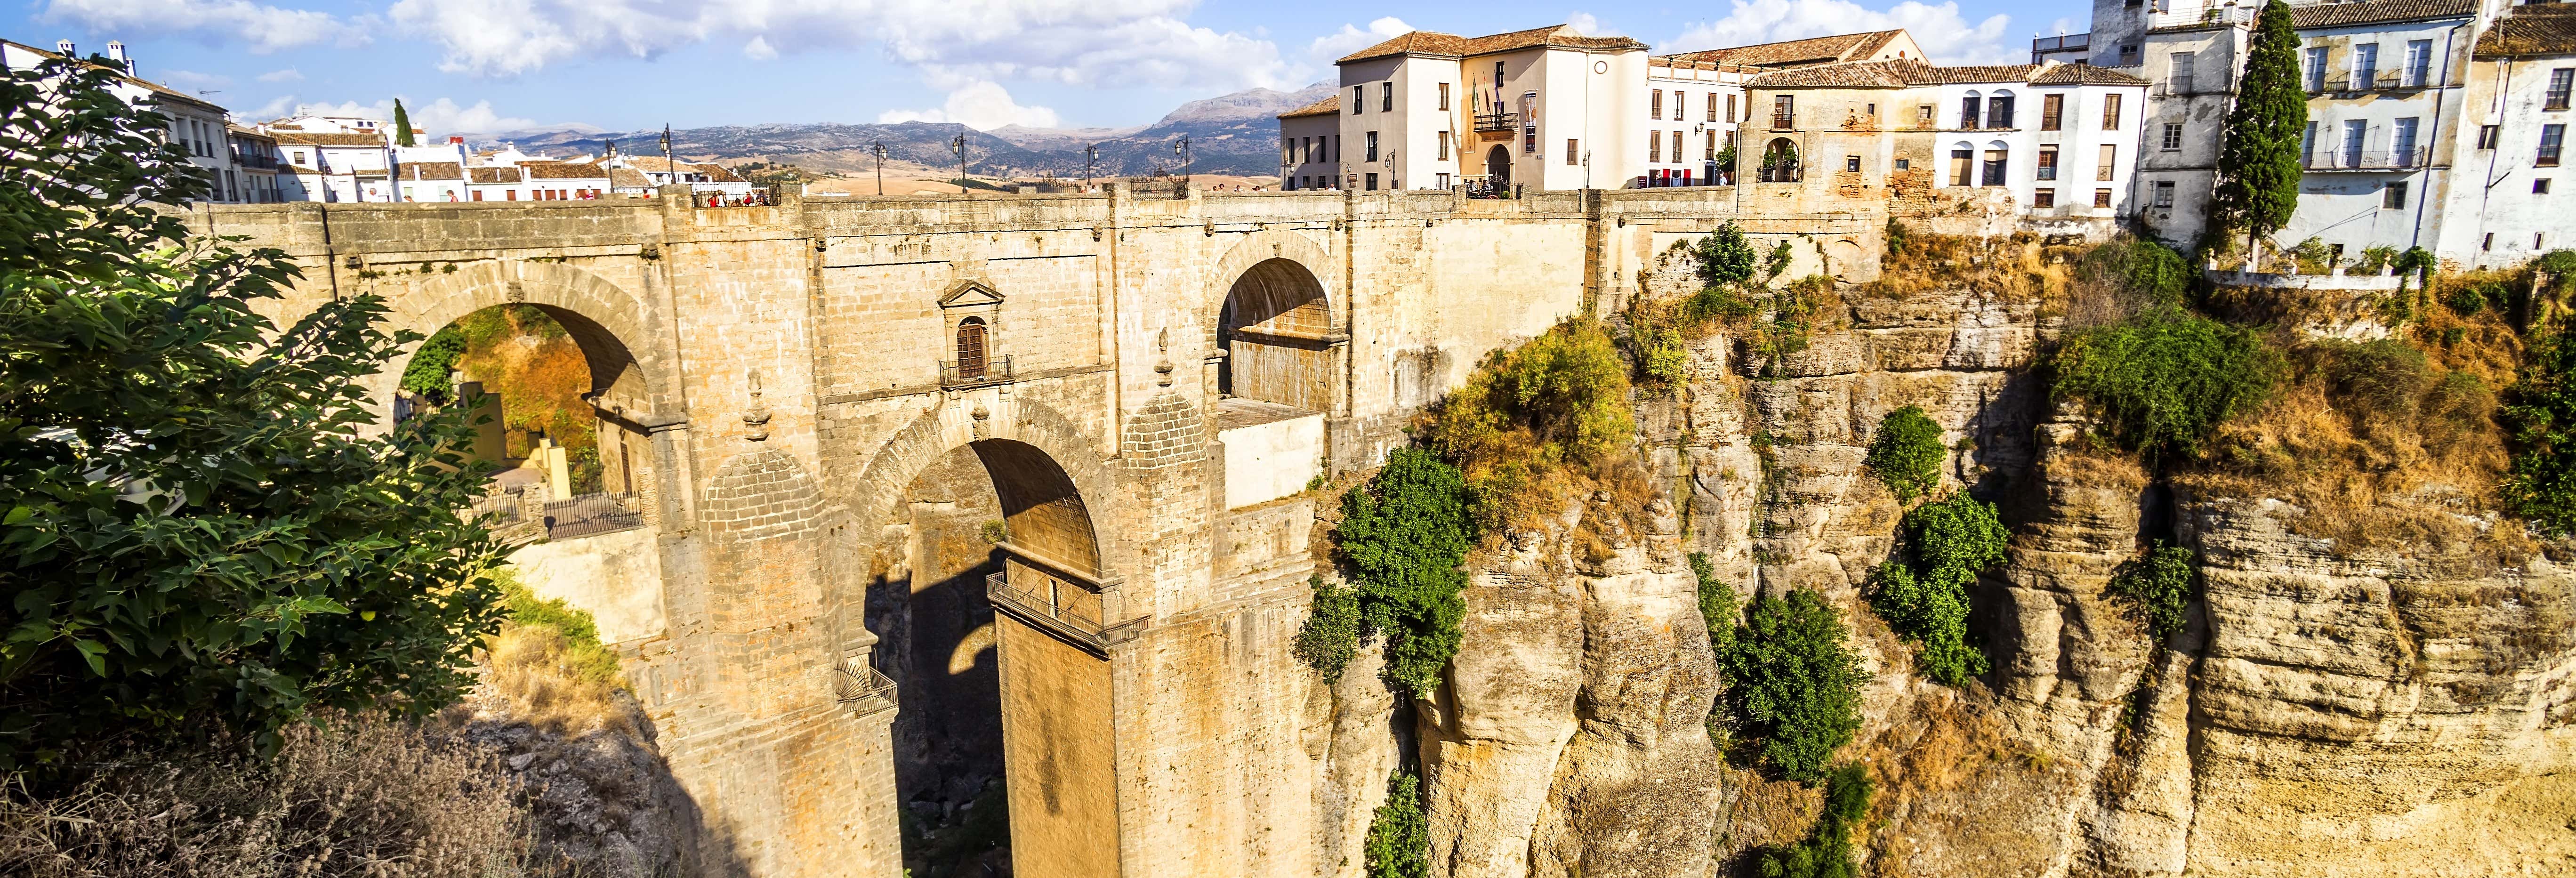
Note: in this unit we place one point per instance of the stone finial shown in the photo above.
(1163, 346)
(755, 420)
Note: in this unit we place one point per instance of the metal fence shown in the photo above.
(996, 370)
(861, 689)
(590, 514)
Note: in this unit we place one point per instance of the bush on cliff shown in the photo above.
(1718, 608)
(2163, 381)
(1792, 684)
(1331, 635)
(1826, 851)
(2540, 415)
(1405, 534)
(199, 534)
(1906, 453)
(1950, 542)
(2157, 587)
(1533, 420)
(1399, 836)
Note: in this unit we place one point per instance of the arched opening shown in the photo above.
(1996, 170)
(1780, 161)
(970, 348)
(1498, 165)
(545, 383)
(990, 616)
(1275, 328)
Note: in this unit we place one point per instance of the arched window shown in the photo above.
(1999, 109)
(971, 357)
(1997, 155)
(1780, 161)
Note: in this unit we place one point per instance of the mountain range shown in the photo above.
(1230, 134)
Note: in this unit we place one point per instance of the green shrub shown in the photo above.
(2163, 381)
(2142, 266)
(1717, 303)
(1567, 389)
(433, 365)
(1826, 851)
(1331, 636)
(585, 656)
(1399, 837)
(1406, 533)
(1663, 357)
(1793, 684)
(2539, 415)
(1725, 258)
(1906, 453)
(2156, 586)
(1951, 541)
(1778, 261)
(1897, 237)
(1717, 607)
(2386, 376)
(2465, 299)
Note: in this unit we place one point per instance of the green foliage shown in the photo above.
(1951, 541)
(1826, 851)
(1663, 356)
(2539, 414)
(1399, 836)
(1778, 261)
(202, 533)
(589, 659)
(1331, 636)
(2143, 266)
(1717, 303)
(2258, 178)
(402, 124)
(1406, 533)
(2466, 299)
(1793, 684)
(434, 365)
(1897, 237)
(2157, 586)
(2383, 377)
(2165, 380)
(1725, 257)
(1906, 453)
(1566, 388)
(1717, 607)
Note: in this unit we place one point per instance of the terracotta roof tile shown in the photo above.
(2535, 29)
(1791, 53)
(2084, 74)
(301, 139)
(1897, 74)
(2378, 11)
(628, 178)
(561, 171)
(494, 175)
(1857, 74)
(1326, 107)
(1423, 42)
(715, 173)
(430, 171)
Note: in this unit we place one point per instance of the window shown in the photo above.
(2043, 198)
(2047, 167)
(1677, 141)
(1498, 81)
(2164, 192)
(1371, 182)
(2101, 198)
(2401, 147)
(1872, 110)
(1960, 159)
(2487, 136)
(2355, 132)
(2173, 137)
(1923, 116)
(477, 195)
(1359, 99)
(1371, 154)
(1444, 181)
(2111, 112)
(1711, 153)
(1655, 105)
(1386, 97)
(2051, 109)
(1444, 149)
(1712, 107)
(2316, 69)
(2108, 165)
(1572, 155)
(2551, 137)
(1654, 147)
(2488, 242)
(971, 356)
(1444, 96)
(1784, 110)
(1999, 111)
(1851, 163)
(2365, 65)
(2559, 81)
(1994, 169)
(1730, 108)
(1968, 107)
(2308, 146)
(2128, 55)
(2181, 74)
(1336, 150)
(2540, 186)
(1905, 164)
(2419, 62)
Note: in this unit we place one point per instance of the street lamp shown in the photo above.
(1182, 149)
(958, 146)
(878, 147)
(1090, 157)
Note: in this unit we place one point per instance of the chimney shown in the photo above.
(65, 49)
(115, 50)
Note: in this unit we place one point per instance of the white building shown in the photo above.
(195, 123)
(257, 163)
(2508, 199)
(1691, 112)
(1546, 108)
(703, 179)
(1309, 139)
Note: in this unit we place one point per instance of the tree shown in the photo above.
(1793, 683)
(1906, 454)
(198, 533)
(2258, 182)
(1406, 534)
(1725, 258)
(402, 124)
(2540, 417)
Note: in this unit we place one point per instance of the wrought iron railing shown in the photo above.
(993, 371)
(2060, 43)
(1779, 172)
(861, 689)
(2367, 160)
(1052, 604)
(1783, 121)
(1498, 121)
(589, 514)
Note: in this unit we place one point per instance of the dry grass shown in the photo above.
(1767, 812)
(2018, 268)
(543, 681)
(362, 797)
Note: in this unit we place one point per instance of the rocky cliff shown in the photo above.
(2334, 705)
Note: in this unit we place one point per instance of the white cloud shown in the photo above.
(263, 29)
(287, 75)
(1141, 42)
(190, 80)
(1351, 39)
(437, 118)
(758, 50)
(1587, 24)
(979, 104)
(1944, 35)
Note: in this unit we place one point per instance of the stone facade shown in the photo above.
(776, 379)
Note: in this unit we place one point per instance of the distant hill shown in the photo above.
(1229, 134)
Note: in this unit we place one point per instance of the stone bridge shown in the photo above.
(1145, 387)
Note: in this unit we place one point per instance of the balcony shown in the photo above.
(255, 162)
(1784, 121)
(955, 375)
(1498, 122)
(2373, 160)
(2192, 88)
(2061, 43)
(1778, 172)
(861, 689)
(1053, 606)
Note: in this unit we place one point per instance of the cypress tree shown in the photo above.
(2258, 183)
(402, 125)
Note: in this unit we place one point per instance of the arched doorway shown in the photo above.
(992, 619)
(1780, 161)
(1498, 165)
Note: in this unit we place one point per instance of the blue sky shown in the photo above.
(490, 65)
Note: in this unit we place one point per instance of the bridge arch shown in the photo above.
(1275, 318)
(618, 335)
(1016, 433)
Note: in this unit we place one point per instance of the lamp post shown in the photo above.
(1090, 157)
(878, 147)
(668, 166)
(958, 146)
(1182, 149)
